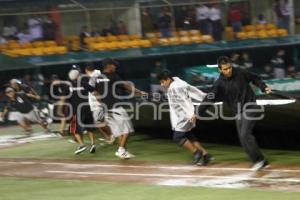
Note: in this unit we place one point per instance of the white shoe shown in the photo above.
(80, 149)
(125, 155)
(260, 165)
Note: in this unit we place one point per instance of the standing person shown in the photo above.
(27, 113)
(216, 23)
(235, 18)
(182, 114)
(164, 23)
(95, 103)
(116, 116)
(278, 63)
(202, 13)
(233, 88)
(81, 117)
(155, 86)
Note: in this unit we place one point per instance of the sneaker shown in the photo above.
(207, 158)
(80, 149)
(93, 148)
(197, 156)
(260, 165)
(73, 141)
(124, 155)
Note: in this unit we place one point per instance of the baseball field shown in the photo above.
(44, 167)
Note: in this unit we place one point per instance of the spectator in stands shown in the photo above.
(164, 23)
(121, 28)
(235, 60)
(107, 30)
(268, 72)
(235, 17)
(214, 15)
(83, 34)
(95, 32)
(202, 12)
(35, 28)
(278, 13)
(156, 88)
(185, 18)
(49, 29)
(147, 21)
(23, 36)
(180, 16)
(246, 62)
(278, 64)
(261, 19)
(9, 32)
(286, 12)
(2, 40)
(291, 71)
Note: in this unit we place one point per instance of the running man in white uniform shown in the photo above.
(182, 114)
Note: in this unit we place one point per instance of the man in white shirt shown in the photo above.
(214, 16)
(182, 114)
(35, 28)
(202, 13)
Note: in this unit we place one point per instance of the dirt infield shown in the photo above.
(277, 178)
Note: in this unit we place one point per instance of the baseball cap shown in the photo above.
(109, 61)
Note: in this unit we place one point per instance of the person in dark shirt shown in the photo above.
(232, 87)
(82, 119)
(116, 116)
(21, 102)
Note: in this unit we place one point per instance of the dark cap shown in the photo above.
(109, 61)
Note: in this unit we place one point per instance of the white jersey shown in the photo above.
(93, 101)
(180, 95)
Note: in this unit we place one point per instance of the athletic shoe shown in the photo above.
(73, 141)
(207, 158)
(93, 148)
(124, 155)
(80, 149)
(260, 165)
(197, 156)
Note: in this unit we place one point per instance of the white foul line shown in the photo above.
(177, 176)
(174, 167)
(153, 166)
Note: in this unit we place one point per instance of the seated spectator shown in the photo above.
(23, 36)
(278, 64)
(2, 40)
(107, 31)
(246, 62)
(261, 19)
(9, 32)
(268, 72)
(156, 88)
(291, 71)
(83, 34)
(121, 28)
(95, 32)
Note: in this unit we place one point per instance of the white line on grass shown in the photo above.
(84, 165)
(174, 167)
(177, 176)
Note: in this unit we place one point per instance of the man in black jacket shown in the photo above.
(232, 87)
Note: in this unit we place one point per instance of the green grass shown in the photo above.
(41, 189)
(144, 147)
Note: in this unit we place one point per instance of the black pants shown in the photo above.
(245, 128)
